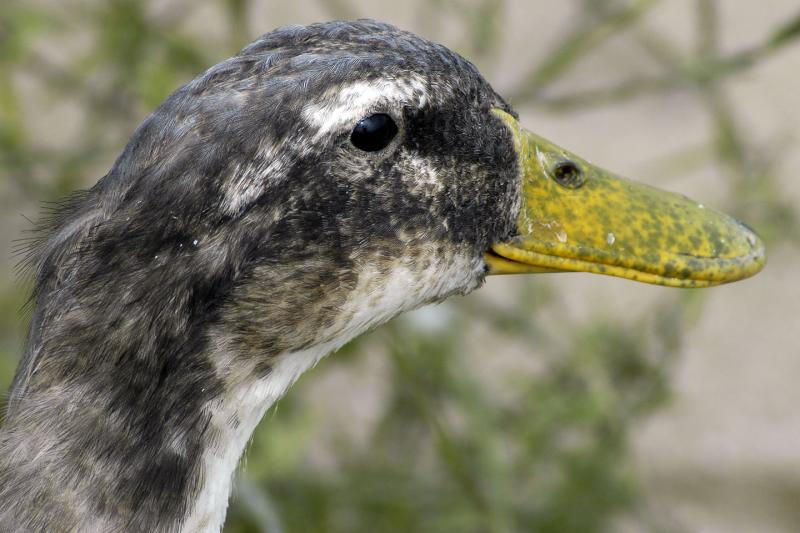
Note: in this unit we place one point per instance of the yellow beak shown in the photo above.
(576, 217)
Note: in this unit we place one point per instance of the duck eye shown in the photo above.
(568, 174)
(374, 132)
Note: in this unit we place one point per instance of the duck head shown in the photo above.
(378, 172)
(329, 177)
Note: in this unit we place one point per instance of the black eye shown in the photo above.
(374, 132)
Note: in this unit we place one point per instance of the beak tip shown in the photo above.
(757, 252)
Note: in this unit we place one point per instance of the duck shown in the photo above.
(288, 199)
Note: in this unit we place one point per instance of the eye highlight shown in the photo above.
(374, 132)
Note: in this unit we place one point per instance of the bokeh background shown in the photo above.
(566, 403)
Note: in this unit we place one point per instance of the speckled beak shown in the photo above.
(576, 217)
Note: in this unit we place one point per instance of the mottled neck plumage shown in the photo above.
(137, 433)
(140, 443)
(113, 445)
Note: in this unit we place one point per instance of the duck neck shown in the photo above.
(135, 449)
(234, 416)
(134, 403)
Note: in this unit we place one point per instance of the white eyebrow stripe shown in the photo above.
(338, 108)
(335, 111)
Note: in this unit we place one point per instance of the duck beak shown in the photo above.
(576, 217)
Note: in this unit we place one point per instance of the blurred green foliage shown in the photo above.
(446, 452)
